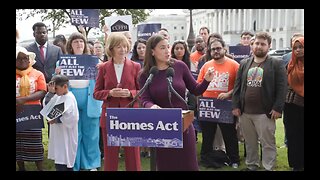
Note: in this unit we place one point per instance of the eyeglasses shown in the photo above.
(217, 48)
(246, 38)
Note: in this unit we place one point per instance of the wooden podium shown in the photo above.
(187, 118)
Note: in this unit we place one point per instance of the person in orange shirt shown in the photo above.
(30, 89)
(221, 87)
(196, 56)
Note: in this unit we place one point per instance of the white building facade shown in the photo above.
(281, 24)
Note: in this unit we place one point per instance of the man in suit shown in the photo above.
(46, 54)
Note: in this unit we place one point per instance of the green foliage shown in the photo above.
(60, 17)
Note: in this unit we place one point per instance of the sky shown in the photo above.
(167, 11)
(25, 26)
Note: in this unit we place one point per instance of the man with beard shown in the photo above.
(258, 100)
(221, 87)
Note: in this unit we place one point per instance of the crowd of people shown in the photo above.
(261, 88)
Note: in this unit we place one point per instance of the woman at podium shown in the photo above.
(156, 96)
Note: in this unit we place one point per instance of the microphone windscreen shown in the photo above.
(170, 72)
(153, 70)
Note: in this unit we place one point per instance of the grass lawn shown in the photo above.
(282, 163)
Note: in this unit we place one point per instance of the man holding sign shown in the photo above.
(221, 87)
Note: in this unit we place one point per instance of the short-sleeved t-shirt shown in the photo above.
(37, 83)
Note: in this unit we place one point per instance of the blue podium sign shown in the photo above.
(144, 127)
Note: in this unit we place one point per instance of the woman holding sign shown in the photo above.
(88, 154)
(117, 84)
(30, 89)
(156, 96)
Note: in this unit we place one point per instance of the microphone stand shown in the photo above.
(137, 95)
(169, 95)
(171, 89)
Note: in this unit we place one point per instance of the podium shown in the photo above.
(151, 116)
(187, 118)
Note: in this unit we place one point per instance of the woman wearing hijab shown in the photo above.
(294, 107)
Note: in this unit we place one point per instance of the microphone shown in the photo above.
(153, 71)
(170, 74)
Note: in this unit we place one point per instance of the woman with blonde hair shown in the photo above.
(117, 84)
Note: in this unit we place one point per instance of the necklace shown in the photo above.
(118, 66)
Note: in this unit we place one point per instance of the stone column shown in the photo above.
(229, 20)
(223, 21)
(286, 20)
(245, 20)
(302, 21)
(208, 19)
(250, 24)
(219, 20)
(216, 21)
(233, 27)
(259, 23)
(280, 17)
(266, 19)
(240, 20)
(297, 17)
(272, 20)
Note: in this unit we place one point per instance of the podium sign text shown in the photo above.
(144, 127)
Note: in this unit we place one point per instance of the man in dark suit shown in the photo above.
(46, 54)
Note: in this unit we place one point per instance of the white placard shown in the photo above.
(119, 23)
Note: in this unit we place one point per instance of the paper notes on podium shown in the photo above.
(187, 118)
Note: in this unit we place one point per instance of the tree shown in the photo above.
(60, 17)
